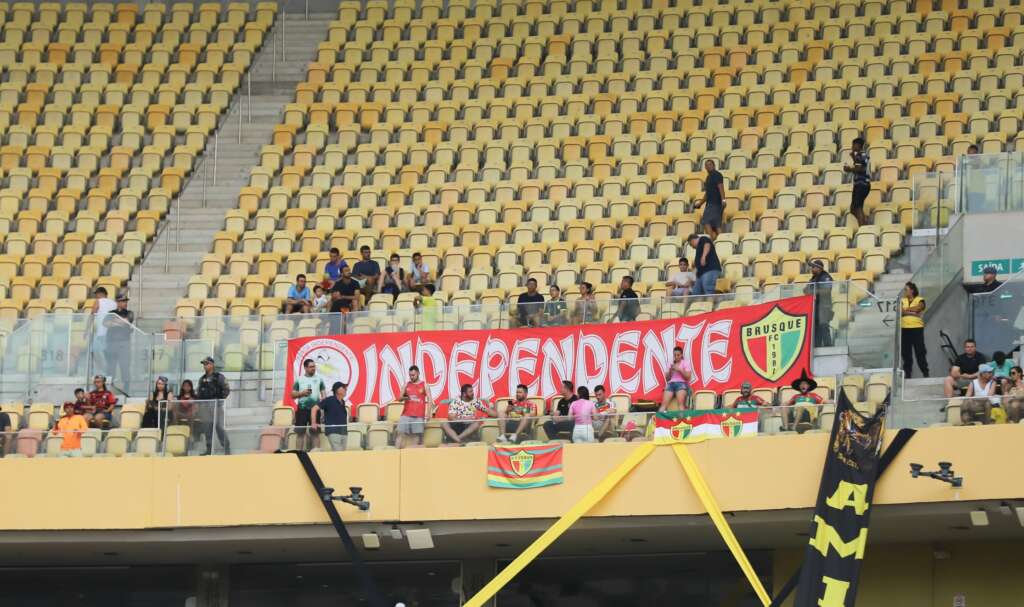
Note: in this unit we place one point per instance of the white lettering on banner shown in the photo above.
(491, 374)
(428, 350)
(623, 358)
(595, 344)
(521, 363)
(370, 362)
(394, 370)
(459, 367)
(557, 359)
(717, 347)
(687, 336)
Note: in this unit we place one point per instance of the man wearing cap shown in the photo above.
(804, 405)
(330, 416)
(747, 398)
(212, 387)
(988, 282)
(119, 341)
(981, 397)
(820, 286)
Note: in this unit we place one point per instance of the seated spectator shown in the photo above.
(320, 301)
(394, 277)
(330, 416)
(345, 293)
(981, 397)
(988, 282)
(186, 411)
(429, 307)
(554, 308)
(100, 410)
(367, 272)
(681, 282)
(965, 370)
(419, 274)
(605, 415)
(520, 416)
(585, 308)
(529, 306)
(747, 398)
(332, 271)
(582, 411)
(562, 420)
(1001, 366)
(7, 439)
(70, 426)
(1015, 396)
(803, 406)
(629, 302)
(81, 401)
(678, 376)
(463, 415)
(299, 297)
(156, 404)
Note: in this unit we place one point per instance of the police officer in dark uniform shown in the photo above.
(213, 387)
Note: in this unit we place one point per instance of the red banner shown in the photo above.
(766, 344)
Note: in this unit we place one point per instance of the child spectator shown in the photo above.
(429, 307)
(320, 301)
(582, 411)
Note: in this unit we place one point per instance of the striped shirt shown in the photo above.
(861, 159)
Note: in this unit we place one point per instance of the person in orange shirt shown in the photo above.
(70, 426)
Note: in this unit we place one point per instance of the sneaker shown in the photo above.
(502, 438)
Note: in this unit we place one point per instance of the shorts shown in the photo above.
(676, 386)
(712, 215)
(459, 427)
(410, 425)
(303, 417)
(338, 441)
(860, 194)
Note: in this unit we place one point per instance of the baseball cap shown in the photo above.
(989, 270)
(986, 368)
(208, 359)
(122, 297)
(817, 264)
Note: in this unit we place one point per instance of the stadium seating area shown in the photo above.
(103, 110)
(564, 140)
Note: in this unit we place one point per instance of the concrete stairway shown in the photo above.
(174, 256)
(870, 334)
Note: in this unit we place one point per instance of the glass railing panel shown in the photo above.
(997, 318)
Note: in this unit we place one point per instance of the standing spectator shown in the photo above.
(1001, 367)
(96, 326)
(554, 308)
(70, 426)
(981, 397)
(213, 387)
(102, 401)
(307, 390)
(429, 307)
(463, 414)
(820, 286)
(604, 414)
(912, 307)
(561, 420)
(345, 293)
(713, 202)
(299, 298)
(747, 398)
(185, 410)
(585, 308)
(157, 403)
(120, 323)
(520, 417)
(529, 305)
(394, 277)
(860, 169)
(419, 274)
(1015, 402)
(678, 376)
(7, 434)
(802, 404)
(988, 282)
(417, 402)
(682, 281)
(629, 302)
(582, 411)
(965, 370)
(706, 264)
(332, 271)
(367, 272)
(330, 416)
(320, 302)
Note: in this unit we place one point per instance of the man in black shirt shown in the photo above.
(345, 293)
(714, 200)
(529, 305)
(213, 388)
(859, 168)
(119, 341)
(553, 426)
(331, 416)
(6, 434)
(367, 272)
(988, 282)
(629, 301)
(965, 370)
(821, 287)
(705, 263)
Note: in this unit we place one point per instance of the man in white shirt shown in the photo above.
(419, 274)
(96, 328)
(681, 282)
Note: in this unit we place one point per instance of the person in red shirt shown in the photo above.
(519, 417)
(414, 412)
(100, 409)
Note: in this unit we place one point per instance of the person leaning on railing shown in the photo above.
(161, 394)
(330, 416)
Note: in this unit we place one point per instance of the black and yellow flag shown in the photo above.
(839, 532)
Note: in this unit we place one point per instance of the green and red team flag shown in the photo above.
(524, 466)
(706, 423)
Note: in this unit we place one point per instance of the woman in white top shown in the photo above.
(981, 396)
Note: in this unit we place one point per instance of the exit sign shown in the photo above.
(1002, 266)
